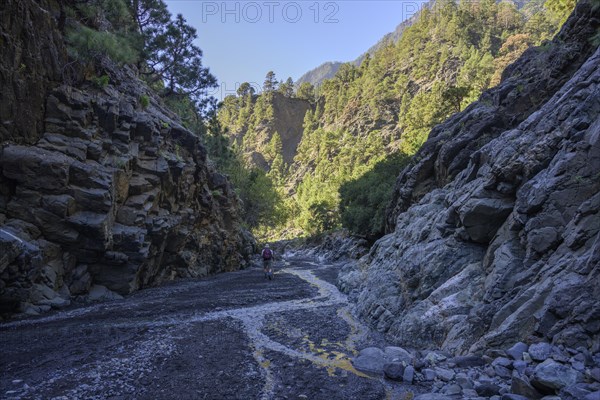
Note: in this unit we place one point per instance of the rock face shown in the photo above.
(31, 64)
(113, 196)
(496, 224)
(287, 121)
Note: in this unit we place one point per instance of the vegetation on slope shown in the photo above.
(368, 120)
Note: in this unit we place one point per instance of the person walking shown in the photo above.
(268, 257)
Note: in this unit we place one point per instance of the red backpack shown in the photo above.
(267, 254)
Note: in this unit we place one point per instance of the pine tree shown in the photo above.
(270, 83)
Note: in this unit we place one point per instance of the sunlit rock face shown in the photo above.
(494, 228)
(110, 191)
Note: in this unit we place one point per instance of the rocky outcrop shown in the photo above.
(496, 224)
(287, 120)
(116, 194)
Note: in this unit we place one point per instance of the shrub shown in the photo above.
(144, 101)
(86, 44)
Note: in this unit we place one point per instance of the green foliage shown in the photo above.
(117, 39)
(262, 203)
(287, 88)
(559, 9)
(324, 217)
(100, 81)
(87, 44)
(306, 91)
(144, 101)
(270, 83)
(367, 120)
(363, 201)
(174, 59)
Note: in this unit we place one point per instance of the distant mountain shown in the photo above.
(319, 74)
(328, 70)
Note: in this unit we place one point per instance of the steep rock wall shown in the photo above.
(33, 59)
(497, 223)
(114, 194)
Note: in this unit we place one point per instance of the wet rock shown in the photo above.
(551, 375)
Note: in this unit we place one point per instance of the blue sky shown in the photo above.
(243, 40)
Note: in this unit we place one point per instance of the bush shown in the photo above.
(86, 44)
(363, 201)
(144, 101)
(100, 81)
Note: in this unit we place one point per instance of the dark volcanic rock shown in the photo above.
(394, 370)
(34, 59)
(95, 190)
(497, 221)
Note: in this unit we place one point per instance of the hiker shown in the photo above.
(268, 257)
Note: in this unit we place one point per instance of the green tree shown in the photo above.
(245, 90)
(270, 83)
(173, 59)
(363, 201)
(306, 91)
(287, 88)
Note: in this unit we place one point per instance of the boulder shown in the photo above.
(517, 350)
(540, 351)
(371, 360)
(394, 370)
(398, 354)
(551, 375)
(102, 293)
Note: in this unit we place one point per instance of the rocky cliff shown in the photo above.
(287, 119)
(495, 226)
(101, 187)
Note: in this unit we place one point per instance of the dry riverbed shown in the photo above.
(233, 336)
